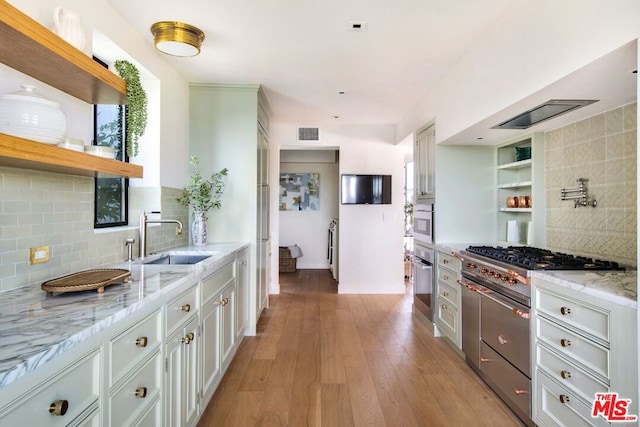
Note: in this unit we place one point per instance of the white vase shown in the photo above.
(199, 229)
(68, 25)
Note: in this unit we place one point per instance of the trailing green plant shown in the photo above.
(136, 105)
(203, 194)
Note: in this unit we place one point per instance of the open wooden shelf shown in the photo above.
(33, 49)
(23, 153)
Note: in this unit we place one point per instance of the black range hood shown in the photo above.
(545, 111)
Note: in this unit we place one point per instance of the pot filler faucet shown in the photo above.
(143, 230)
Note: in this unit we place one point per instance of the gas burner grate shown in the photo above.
(532, 258)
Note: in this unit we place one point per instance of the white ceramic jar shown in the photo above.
(26, 114)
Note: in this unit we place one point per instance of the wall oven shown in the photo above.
(423, 280)
(423, 223)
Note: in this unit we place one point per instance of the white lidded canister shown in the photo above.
(26, 114)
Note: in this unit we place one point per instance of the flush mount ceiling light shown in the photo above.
(177, 38)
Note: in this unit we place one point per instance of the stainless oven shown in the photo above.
(423, 223)
(423, 280)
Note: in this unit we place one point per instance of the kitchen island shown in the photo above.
(121, 337)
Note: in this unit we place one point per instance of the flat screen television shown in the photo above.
(365, 189)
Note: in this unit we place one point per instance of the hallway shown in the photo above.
(323, 359)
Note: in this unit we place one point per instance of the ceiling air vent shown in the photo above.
(308, 134)
(546, 111)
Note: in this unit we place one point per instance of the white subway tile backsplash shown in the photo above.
(605, 153)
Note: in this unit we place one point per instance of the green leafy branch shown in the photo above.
(203, 194)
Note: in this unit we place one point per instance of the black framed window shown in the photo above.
(111, 203)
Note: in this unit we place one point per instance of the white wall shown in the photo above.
(309, 229)
(371, 236)
(501, 70)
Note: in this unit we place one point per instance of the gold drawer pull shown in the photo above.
(445, 261)
(188, 338)
(59, 407)
(186, 308)
(142, 341)
(565, 374)
(518, 392)
(565, 342)
(564, 398)
(565, 310)
(141, 392)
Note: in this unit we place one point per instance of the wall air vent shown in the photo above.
(308, 134)
(546, 111)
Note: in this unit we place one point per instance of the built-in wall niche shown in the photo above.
(310, 156)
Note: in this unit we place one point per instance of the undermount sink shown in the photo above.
(177, 259)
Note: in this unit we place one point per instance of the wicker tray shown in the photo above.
(87, 280)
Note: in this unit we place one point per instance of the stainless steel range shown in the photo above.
(496, 299)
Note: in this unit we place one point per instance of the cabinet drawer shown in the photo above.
(551, 411)
(448, 293)
(570, 376)
(590, 319)
(512, 385)
(213, 284)
(140, 390)
(448, 261)
(77, 386)
(447, 319)
(181, 308)
(153, 418)
(133, 345)
(589, 354)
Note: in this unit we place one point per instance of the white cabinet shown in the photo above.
(218, 327)
(242, 293)
(520, 191)
(182, 386)
(424, 156)
(70, 395)
(228, 127)
(582, 346)
(448, 304)
(135, 370)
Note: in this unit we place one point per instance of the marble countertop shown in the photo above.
(36, 328)
(620, 287)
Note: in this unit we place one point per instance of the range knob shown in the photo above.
(504, 278)
(512, 282)
(484, 270)
(497, 276)
(471, 266)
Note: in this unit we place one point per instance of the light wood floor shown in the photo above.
(323, 359)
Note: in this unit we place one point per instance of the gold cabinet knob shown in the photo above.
(59, 407)
(243, 263)
(445, 261)
(564, 398)
(445, 294)
(142, 341)
(444, 306)
(188, 338)
(565, 310)
(141, 392)
(186, 308)
(565, 342)
(565, 374)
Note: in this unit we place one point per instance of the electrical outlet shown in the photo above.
(39, 254)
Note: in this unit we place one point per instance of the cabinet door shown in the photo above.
(424, 157)
(242, 289)
(211, 362)
(228, 313)
(181, 386)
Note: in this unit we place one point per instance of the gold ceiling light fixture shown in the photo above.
(177, 38)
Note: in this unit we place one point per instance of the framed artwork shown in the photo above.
(299, 191)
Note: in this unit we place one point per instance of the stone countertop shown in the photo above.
(620, 287)
(36, 328)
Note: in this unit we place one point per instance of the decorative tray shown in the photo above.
(87, 280)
